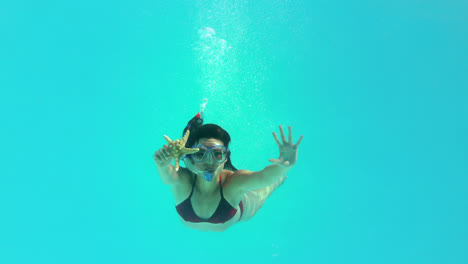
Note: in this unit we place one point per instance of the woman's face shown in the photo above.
(208, 162)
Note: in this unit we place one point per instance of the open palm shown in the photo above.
(288, 150)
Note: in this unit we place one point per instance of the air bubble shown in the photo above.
(204, 101)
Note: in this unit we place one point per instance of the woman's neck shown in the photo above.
(207, 187)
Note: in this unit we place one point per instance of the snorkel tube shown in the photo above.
(195, 123)
(192, 125)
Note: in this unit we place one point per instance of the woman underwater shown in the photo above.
(211, 194)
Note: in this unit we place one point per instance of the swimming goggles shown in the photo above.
(218, 153)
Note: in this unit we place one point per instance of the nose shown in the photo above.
(209, 157)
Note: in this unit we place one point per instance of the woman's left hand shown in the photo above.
(288, 150)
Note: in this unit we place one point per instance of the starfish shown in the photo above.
(177, 148)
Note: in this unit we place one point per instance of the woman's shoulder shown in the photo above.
(231, 177)
(186, 175)
(227, 172)
(240, 179)
(226, 175)
(237, 173)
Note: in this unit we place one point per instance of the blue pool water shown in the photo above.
(378, 90)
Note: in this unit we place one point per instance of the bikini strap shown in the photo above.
(221, 188)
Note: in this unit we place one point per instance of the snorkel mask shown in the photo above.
(218, 154)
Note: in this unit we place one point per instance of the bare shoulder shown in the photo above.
(246, 180)
(235, 180)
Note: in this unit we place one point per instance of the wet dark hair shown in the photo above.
(211, 131)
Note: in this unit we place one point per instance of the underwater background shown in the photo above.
(378, 89)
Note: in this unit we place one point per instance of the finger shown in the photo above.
(279, 160)
(156, 156)
(172, 147)
(283, 138)
(162, 155)
(276, 139)
(274, 160)
(299, 142)
(167, 150)
(290, 135)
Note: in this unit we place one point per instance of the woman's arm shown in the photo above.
(247, 180)
(165, 169)
(169, 175)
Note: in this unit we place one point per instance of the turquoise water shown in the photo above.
(377, 88)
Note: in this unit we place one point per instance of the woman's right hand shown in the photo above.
(175, 150)
(163, 157)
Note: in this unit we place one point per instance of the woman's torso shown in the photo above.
(204, 206)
